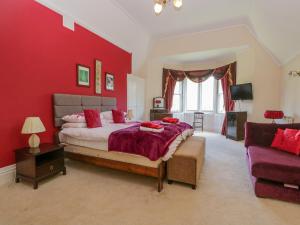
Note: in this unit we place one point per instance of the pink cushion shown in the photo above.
(92, 118)
(118, 116)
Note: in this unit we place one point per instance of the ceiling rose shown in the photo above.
(160, 4)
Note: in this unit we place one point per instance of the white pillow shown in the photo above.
(74, 125)
(74, 118)
(106, 122)
(106, 115)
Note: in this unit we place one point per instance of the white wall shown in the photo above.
(136, 96)
(290, 100)
(254, 64)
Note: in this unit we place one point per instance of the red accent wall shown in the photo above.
(38, 57)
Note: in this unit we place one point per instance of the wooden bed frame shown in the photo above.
(158, 173)
(65, 104)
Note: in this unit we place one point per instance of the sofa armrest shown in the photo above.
(262, 134)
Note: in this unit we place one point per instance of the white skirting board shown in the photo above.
(7, 174)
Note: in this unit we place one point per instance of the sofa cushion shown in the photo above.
(278, 139)
(291, 141)
(271, 164)
(287, 140)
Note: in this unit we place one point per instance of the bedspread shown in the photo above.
(149, 144)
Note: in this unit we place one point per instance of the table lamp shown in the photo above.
(129, 114)
(33, 125)
(271, 114)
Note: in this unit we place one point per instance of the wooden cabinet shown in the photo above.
(236, 125)
(36, 164)
(158, 114)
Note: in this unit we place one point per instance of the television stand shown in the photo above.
(235, 125)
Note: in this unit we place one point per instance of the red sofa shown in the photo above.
(271, 169)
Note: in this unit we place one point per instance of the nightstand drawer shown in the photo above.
(50, 167)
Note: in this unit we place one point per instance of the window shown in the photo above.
(221, 107)
(192, 95)
(207, 94)
(177, 97)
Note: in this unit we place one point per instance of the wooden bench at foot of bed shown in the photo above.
(186, 164)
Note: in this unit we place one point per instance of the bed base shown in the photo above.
(158, 173)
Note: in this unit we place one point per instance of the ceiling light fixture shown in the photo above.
(160, 4)
(294, 73)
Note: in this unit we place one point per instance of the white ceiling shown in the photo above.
(195, 15)
(128, 23)
(275, 22)
(203, 56)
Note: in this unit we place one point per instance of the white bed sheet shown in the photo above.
(97, 138)
(94, 134)
(98, 145)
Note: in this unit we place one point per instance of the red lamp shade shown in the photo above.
(269, 114)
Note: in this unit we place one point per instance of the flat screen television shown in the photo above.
(241, 92)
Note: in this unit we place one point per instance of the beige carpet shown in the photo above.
(90, 196)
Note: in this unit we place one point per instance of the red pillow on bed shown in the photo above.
(92, 118)
(118, 116)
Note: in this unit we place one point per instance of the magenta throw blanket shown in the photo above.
(149, 144)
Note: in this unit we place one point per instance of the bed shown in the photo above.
(95, 152)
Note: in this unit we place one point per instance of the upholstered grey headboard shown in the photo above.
(66, 104)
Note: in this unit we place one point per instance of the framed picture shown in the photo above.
(83, 75)
(98, 72)
(109, 82)
(158, 103)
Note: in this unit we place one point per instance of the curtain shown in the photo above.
(228, 80)
(227, 75)
(169, 84)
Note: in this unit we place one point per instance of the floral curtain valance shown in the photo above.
(197, 76)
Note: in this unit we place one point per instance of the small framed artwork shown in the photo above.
(158, 103)
(83, 75)
(109, 81)
(98, 72)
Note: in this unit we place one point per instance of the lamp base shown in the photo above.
(34, 141)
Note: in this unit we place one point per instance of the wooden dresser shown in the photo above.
(158, 114)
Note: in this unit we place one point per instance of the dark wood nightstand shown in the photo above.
(36, 164)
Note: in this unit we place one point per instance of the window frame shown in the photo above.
(183, 99)
(199, 103)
